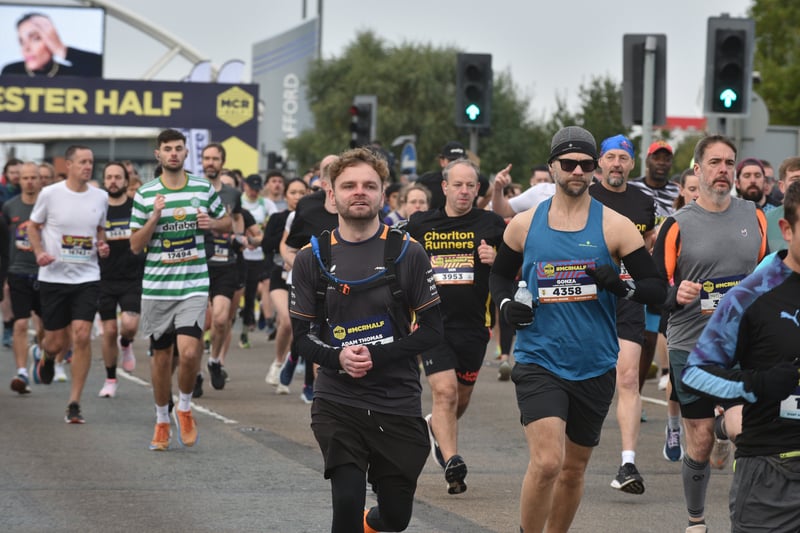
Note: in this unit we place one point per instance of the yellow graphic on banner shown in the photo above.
(235, 107)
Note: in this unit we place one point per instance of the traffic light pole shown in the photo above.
(473, 141)
(648, 96)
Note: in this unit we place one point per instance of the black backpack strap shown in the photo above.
(321, 287)
(398, 309)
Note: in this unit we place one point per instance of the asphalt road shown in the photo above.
(256, 466)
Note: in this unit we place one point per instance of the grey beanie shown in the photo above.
(572, 139)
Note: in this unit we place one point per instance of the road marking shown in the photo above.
(656, 401)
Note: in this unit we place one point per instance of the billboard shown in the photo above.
(51, 41)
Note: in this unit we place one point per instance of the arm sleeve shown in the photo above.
(428, 334)
(665, 255)
(312, 347)
(651, 285)
(504, 271)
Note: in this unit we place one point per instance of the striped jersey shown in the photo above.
(175, 267)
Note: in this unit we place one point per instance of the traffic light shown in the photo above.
(730, 43)
(633, 56)
(363, 114)
(474, 91)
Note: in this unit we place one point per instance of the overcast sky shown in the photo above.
(550, 47)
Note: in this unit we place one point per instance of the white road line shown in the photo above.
(656, 401)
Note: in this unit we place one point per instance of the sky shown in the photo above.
(550, 48)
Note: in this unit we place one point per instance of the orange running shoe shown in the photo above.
(187, 428)
(160, 440)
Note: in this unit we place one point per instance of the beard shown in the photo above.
(117, 193)
(615, 181)
(753, 194)
(564, 185)
(359, 216)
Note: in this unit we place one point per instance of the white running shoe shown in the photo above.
(282, 389)
(60, 375)
(109, 389)
(274, 374)
(662, 382)
(128, 357)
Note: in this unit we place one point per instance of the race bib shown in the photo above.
(179, 251)
(713, 290)
(222, 249)
(371, 330)
(118, 230)
(624, 275)
(453, 269)
(790, 406)
(76, 248)
(565, 281)
(21, 241)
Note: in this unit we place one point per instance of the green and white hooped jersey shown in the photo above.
(175, 267)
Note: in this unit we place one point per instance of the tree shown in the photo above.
(415, 86)
(777, 58)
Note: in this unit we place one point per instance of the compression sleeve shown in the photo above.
(428, 334)
(651, 286)
(504, 271)
(665, 254)
(312, 347)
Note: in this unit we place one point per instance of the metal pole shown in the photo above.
(319, 30)
(473, 141)
(648, 98)
(304, 9)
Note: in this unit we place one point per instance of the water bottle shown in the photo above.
(523, 295)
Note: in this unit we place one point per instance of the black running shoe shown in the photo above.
(198, 386)
(628, 480)
(46, 369)
(454, 473)
(217, 378)
(74, 415)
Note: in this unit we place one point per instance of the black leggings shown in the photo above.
(254, 270)
(349, 493)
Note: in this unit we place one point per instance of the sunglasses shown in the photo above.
(568, 165)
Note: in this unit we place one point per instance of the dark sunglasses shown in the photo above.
(568, 165)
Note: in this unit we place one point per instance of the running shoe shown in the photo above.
(217, 379)
(45, 370)
(20, 384)
(643, 416)
(662, 382)
(7, 337)
(308, 394)
(628, 480)
(68, 356)
(187, 428)
(282, 389)
(161, 435)
(720, 453)
(697, 528)
(60, 373)
(274, 374)
(454, 473)
(128, 357)
(74, 415)
(673, 449)
(436, 453)
(269, 328)
(262, 321)
(367, 528)
(198, 386)
(34, 354)
(109, 389)
(244, 341)
(504, 372)
(287, 372)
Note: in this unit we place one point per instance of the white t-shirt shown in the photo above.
(69, 233)
(532, 197)
(261, 210)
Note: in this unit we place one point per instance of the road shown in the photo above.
(256, 466)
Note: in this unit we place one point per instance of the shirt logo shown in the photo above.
(793, 317)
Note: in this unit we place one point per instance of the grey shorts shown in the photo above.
(163, 316)
(765, 495)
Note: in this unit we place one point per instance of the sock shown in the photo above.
(719, 428)
(628, 456)
(674, 422)
(695, 482)
(184, 401)
(124, 341)
(162, 414)
(111, 372)
(213, 360)
(22, 372)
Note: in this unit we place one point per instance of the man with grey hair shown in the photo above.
(565, 359)
(461, 241)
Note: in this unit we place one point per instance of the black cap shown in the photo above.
(454, 150)
(254, 181)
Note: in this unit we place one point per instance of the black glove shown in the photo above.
(607, 278)
(517, 314)
(776, 383)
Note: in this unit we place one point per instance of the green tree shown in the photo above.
(777, 58)
(415, 86)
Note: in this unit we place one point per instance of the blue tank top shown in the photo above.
(574, 333)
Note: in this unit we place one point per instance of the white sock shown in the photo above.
(184, 401)
(213, 360)
(628, 456)
(22, 372)
(674, 422)
(162, 414)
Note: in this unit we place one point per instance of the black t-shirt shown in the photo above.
(361, 317)
(632, 203)
(452, 244)
(121, 264)
(311, 218)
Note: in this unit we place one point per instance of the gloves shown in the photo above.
(517, 314)
(607, 278)
(776, 383)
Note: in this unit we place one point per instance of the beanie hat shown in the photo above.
(572, 139)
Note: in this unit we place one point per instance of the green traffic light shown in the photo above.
(728, 97)
(473, 112)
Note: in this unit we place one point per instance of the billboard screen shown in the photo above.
(50, 41)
